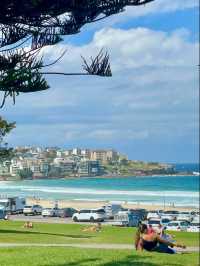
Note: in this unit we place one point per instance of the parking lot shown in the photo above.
(41, 219)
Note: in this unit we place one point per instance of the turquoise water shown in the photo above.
(178, 190)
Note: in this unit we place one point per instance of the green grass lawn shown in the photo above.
(90, 257)
(13, 232)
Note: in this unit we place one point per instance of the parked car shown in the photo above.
(196, 218)
(32, 210)
(140, 213)
(185, 216)
(50, 212)
(194, 227)
(153, 215)
(2, 213)
(165, 221)
(89, 215)
(171, 215)
(178, 226)
(66, 212)
(154, 223)
(111, 210)
(125, 218)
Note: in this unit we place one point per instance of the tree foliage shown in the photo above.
(5, 128)
(35, 24)
(25, 174)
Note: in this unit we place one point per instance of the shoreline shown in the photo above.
(92, 177)
(81, 204)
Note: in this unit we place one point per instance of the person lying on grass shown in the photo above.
(94, 228)
(153, 242)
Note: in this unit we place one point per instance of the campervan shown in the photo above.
(12, 205)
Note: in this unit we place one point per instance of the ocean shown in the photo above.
(157, 190)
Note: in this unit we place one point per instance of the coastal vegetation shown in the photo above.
(5, 128)
(129, 167)
(54, 162)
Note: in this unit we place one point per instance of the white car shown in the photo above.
(196, 219)
(155, 223)
(32, 210)
(50, 212)
(178, 226)
(165, 221)
(185, 216)
(153, 215)
(89, 215)
(194, 227)
(171, 215)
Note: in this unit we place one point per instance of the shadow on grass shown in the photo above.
(23, 232)
(133, 260)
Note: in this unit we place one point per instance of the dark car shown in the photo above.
(66, 212)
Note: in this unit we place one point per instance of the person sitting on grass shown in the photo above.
(153, 242)
(28, 225)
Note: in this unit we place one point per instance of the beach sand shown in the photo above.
(79, 204)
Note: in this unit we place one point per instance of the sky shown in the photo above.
(148, 109)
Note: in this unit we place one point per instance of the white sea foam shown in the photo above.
(88, 191)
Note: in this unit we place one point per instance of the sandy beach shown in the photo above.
(79, 204)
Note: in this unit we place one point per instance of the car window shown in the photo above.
(184, 223)
(100, 211)
(195, 224)
(165, 220)
(85, 211)
(27, 206)
(173, 224)
(154, 222)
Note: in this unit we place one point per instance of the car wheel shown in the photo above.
(75, 219)
(92, 219)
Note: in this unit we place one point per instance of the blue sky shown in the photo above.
(148, 109)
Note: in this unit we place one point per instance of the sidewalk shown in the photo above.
(94, 246)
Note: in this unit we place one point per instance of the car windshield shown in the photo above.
(5, 204)
(154, 222)
(195, 224)
(171, 212)
(27, 206)
(173, 224)
(165, 221)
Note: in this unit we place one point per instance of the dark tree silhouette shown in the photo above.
(38, 23)
(5, 128)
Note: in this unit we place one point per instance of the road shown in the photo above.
(40, 219)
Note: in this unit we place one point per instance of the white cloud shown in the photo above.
(155, 7)
(133, 48)
(153, 92)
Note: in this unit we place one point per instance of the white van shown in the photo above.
(112, 209)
